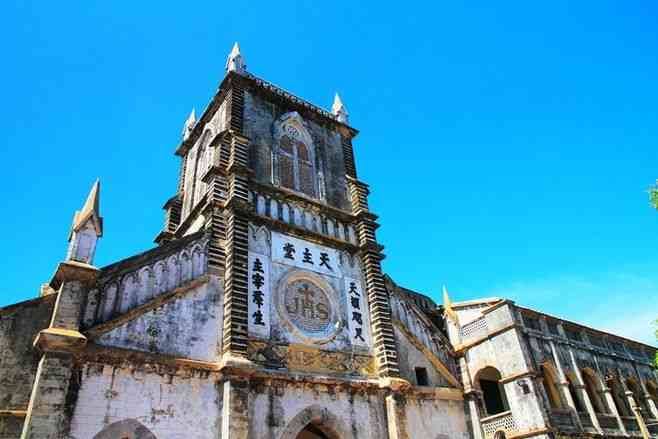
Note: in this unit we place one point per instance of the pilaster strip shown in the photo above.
(237, 236)
(348, 156)
(378, 299)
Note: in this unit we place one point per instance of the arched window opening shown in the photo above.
(312, 432)
(574, 396)
(634, 387)
(295, 156)
(500, 435)
(618, 396)
(549, 379)
(493, 391)
(592, 388)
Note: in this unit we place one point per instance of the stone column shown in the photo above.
(609, 399)
(564, 385)
(635, 408)
(397, 417)
(651, 404)
(472, 397)
(582, 393)
(235, 409)
(46, 414)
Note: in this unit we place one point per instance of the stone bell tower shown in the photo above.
(272, 179)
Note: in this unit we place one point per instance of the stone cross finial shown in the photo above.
(339, 110)
(189, 125)
(235, 61)
(87, 227)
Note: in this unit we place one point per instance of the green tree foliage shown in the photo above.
(653, 199)
(653, 195)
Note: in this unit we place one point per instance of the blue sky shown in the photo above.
(509, 145)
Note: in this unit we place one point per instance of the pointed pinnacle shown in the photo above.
(236, 50)
(339, 110)
(338, 105)
(192, 117)
(92, 203)
(235, 61)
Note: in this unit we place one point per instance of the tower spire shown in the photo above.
(189, 124)
(339, 110)
(235, 61)
(87, 227)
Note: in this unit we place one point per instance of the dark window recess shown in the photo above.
(531, 322)
(493, 399)
(552, 328)
(421, 377)
(573, 335)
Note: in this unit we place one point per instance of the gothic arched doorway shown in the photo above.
(316, 422)
(312, 432)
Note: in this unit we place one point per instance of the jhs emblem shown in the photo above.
(307, 306)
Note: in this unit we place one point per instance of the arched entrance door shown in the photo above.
(312, 432)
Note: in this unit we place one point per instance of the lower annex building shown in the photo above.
(263, 313)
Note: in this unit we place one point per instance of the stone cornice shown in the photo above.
(133, 359)
(301, 233)
(68, 271)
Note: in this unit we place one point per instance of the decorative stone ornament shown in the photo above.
(339, 110)
(235, 61)
(308, 308)
(189, 125)
(87, 227)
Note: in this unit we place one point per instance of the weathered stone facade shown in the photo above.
(264, 314)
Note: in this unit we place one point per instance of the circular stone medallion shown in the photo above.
(308, 307)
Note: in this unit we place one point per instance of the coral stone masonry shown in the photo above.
(263, 313)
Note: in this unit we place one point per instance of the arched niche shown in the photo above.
(125, 429)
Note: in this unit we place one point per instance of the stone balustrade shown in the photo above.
(562, 419)
(135, 281)
(302, 215)
(500, 422)
(474, 330)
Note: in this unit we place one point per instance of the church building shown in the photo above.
(263, 313)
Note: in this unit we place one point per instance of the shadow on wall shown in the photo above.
(126, 429)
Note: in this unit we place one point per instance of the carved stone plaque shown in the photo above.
(308, 307)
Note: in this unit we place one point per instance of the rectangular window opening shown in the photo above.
(421, 377)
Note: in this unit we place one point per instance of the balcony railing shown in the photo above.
(585, 420)
(630, 423)
(607, 421)
(500, 422)
(474, 330)
(562, 419)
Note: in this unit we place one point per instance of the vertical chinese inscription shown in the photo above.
(357, 313)
(259, 295)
